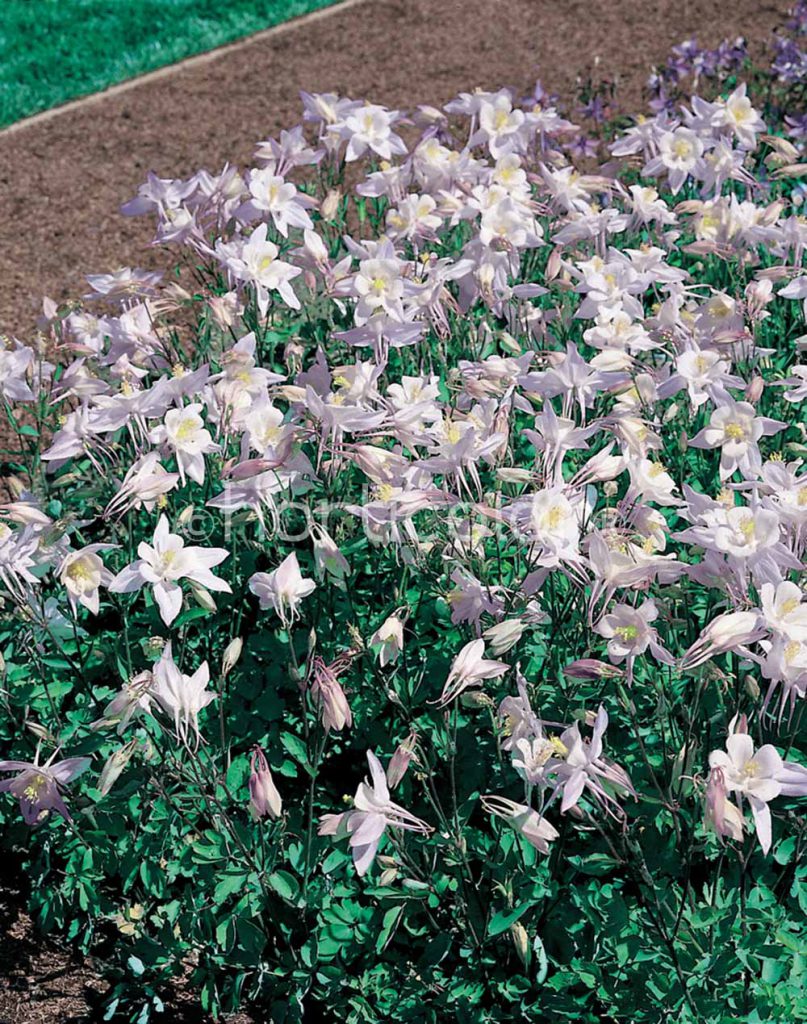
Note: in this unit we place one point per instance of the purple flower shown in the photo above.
(38, 787)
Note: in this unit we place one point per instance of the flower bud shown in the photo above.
(400, 760)
(202, 596)
(387, 642)
(263, 795)
(330, 204)
(504, 635)
(185, 516)
(521, 942)
(116, 762)
(388, 877)
(328, 559)
(231, 656)
(476, 699)
(513, 475)
(590, 668)
(753, 392)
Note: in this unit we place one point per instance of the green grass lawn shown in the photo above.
(52, 51)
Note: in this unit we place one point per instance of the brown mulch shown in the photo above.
(62, 182)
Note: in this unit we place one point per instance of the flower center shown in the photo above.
(734, 432)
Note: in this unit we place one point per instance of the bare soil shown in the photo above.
(62, 181)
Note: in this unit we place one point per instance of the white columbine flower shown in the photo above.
(163, 564)
(183, 431)
(82, 573)
(181, 696)
(282, 589)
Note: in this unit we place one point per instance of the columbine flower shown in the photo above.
(399, 762)
(585, 767)
(369, 127)
(181, 696)
(374, 813)
(629, 633)
(282, 589)
(279, 198)
(679, 153)
(759, 776)
(39, 787)
(82, 573)
(131, 700)
(735, 428)
(387, 642)
(731, 631)
(784, 609)
(184, 433)
(720, 813)
(536, 829)
(328, 695)
(328, 559)
(166, 562)
(257, 263)
(263, 795)
(469, 668)
(143, 486)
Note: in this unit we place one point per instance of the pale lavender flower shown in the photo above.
(39, 787)
(162, 565)
(282, 589)
(374, 813)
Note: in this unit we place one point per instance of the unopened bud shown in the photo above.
(330, 204)
(683, 441)
(202, 596)
(553, 265)
(751, 687)
(114, 766)
(521, 942)
(753, 392)
(509, 343)
(513, 475)
(476, 699)
(263, 795)
(185, 516)
(388, 877)
(40, 731)
(415, 885)
(231, 655)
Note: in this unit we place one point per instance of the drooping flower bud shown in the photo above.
(400, 761)
(231, 656)
(504, 635)
(263, 795)
(521, 942)
(116, 762)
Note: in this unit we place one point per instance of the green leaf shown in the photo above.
(284, 884)
(231, 882)
(502, 920)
